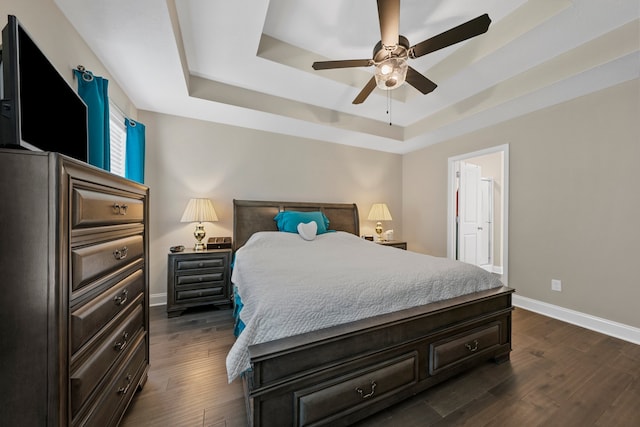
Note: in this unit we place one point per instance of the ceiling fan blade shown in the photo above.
(326, 65)
(419, 81)
(455, 35)
(368, 88)
(389, 17)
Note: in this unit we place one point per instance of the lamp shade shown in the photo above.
(379, 212)
(199, 210)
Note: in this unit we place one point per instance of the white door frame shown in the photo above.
(451, 203)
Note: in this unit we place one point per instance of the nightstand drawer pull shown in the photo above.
(122, 298)
(125, 389)
(472, 346)
(120, 209)
(368, 395)
(120, 254)
(121, 345)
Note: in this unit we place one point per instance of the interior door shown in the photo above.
(469, 215)
(486, 224)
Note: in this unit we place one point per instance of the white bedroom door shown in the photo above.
(485, 258)
(469, 214)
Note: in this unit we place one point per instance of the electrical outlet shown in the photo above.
(556, 285)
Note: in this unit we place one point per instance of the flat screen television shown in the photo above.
(39, 110)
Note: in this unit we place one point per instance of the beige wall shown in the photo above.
(574, 201)
(190, 158)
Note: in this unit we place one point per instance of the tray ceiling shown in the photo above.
(248, 64)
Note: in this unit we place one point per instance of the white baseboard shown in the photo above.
(158, 299)
(598, 324)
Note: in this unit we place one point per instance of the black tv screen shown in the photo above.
(39, 109)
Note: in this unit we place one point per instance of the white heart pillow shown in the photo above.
(308, 231)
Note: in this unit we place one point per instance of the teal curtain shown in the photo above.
(94, 92)
(134, 158)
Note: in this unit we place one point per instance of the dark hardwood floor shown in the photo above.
(559, 375)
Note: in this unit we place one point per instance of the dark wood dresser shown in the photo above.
(198, 278)
(74, 304)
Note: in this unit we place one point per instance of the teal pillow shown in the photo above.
(288, 220)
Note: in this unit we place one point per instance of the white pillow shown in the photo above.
(308, 231)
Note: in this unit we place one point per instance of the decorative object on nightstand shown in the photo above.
(199, 210)
(379, 212)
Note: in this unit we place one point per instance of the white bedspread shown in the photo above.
(289, 286)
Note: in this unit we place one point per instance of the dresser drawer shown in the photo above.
(91, 317)
(87, 376)
(470, 344)
(91, 262)
(192, 264)
(94, 207)
(106, 412)
(326, 401)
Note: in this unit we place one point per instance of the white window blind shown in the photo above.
(118, 142)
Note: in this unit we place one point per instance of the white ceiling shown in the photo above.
(248, 63)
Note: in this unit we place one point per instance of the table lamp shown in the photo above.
(379, 212)
(199, 210)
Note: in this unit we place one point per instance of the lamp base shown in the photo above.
(379, 231)
(199, 235)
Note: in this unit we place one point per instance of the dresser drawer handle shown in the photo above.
(472, 346)
(119, 346)
(120, 209)
(120, 254)
(125, 389)
(122, 298)
(367, 395)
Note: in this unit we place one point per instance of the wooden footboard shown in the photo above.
(345, 373)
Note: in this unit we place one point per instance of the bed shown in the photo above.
(362, 356)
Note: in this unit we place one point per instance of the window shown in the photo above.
(118, 139)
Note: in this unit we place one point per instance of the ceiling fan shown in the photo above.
(391, 53)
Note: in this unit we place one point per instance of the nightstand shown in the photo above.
(395, 243)
(198, 278)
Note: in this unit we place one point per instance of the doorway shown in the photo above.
(477, 209)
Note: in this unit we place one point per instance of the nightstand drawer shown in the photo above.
(199, 278)
(200, 263)
(217, 291)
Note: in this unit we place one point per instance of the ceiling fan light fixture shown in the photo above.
(391, 73)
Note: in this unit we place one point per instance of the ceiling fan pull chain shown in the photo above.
(389, 106)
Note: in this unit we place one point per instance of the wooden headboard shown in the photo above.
(250, 216)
